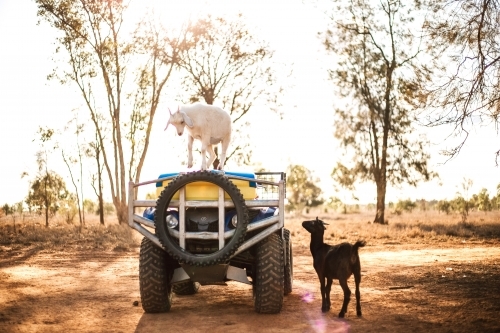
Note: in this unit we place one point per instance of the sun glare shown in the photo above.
(176, 13)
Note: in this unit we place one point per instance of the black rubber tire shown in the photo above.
(268, 283)
(174, 250)
(155, 274)
(186, 288)
(288, 263)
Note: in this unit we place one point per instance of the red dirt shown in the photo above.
(404, 288)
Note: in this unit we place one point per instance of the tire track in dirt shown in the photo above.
(94, 291)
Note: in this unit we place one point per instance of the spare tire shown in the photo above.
(171, 244)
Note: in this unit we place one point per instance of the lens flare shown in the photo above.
(319, 325)
(322, 322)
(307, 297)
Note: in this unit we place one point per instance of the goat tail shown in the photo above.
(358, 244)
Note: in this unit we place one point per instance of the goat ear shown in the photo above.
(168, 122)
(319, 221)
(323, 223)
(187, 120)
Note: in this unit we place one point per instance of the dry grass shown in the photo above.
(31, 230)
(428, 227)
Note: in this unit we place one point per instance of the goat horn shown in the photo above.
(169, 111)
(318, 220)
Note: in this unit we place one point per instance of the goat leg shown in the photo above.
(324, 305)
(357, 280)
(347, 297)
(190, 151)
(224, 145)
(327, 294)
(204, 146)
(211, 152)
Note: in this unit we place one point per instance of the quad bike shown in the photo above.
(209, 227)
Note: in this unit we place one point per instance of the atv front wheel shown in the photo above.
(186, 288)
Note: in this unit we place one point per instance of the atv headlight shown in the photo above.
(234, 220)
(172, 221)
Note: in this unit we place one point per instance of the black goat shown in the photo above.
(334, 262)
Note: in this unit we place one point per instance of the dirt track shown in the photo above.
(403, 289)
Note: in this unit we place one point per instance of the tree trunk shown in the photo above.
(121, 211)
(101, 203)
(46, 216)
(99, 183)
(380, 214)
(46, 199)
(381, 177)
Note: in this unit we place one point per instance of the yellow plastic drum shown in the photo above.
(209, 191)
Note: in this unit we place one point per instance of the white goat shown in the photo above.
(207, 123)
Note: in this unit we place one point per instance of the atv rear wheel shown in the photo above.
(288, 262)
(155, 273)
(268, 280)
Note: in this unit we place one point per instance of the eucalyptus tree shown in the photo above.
(119, 72)
(379, 75)
(93, 151)
(465, 93)
(47, 192)
(74, 157)
(48, 189)
(302, 188)
(224, 63)
(483, 201)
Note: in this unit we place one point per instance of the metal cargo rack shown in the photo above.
(271, 193)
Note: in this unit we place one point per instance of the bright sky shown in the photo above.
(304, 136)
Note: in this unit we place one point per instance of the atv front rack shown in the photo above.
(272, 182)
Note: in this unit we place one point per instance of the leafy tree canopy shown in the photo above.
(301, 188)
(47, 192)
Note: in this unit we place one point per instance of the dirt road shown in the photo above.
(403, 289)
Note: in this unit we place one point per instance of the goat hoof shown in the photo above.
(358, 313)
(325, 309)
(341, 315)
